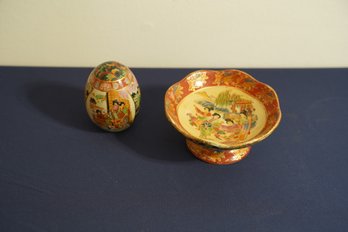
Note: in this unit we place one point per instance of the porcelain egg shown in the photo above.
(112, 96)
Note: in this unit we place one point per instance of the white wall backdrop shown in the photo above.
(175, 33)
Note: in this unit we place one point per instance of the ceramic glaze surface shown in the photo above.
(222, 113)
(112, 96)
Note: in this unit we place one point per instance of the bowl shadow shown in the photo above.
(151, 135)
(61, 102)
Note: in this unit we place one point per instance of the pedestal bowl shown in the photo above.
(222, 113)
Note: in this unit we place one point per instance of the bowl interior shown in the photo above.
(226, 109)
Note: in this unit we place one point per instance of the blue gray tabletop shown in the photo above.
(59, 172)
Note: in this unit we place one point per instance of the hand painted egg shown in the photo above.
(112, 96)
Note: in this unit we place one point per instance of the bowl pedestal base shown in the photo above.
(214, 155)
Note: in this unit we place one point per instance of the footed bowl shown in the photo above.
(222, 113)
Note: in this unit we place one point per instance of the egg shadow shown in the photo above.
(151, 135)
(61, 102)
